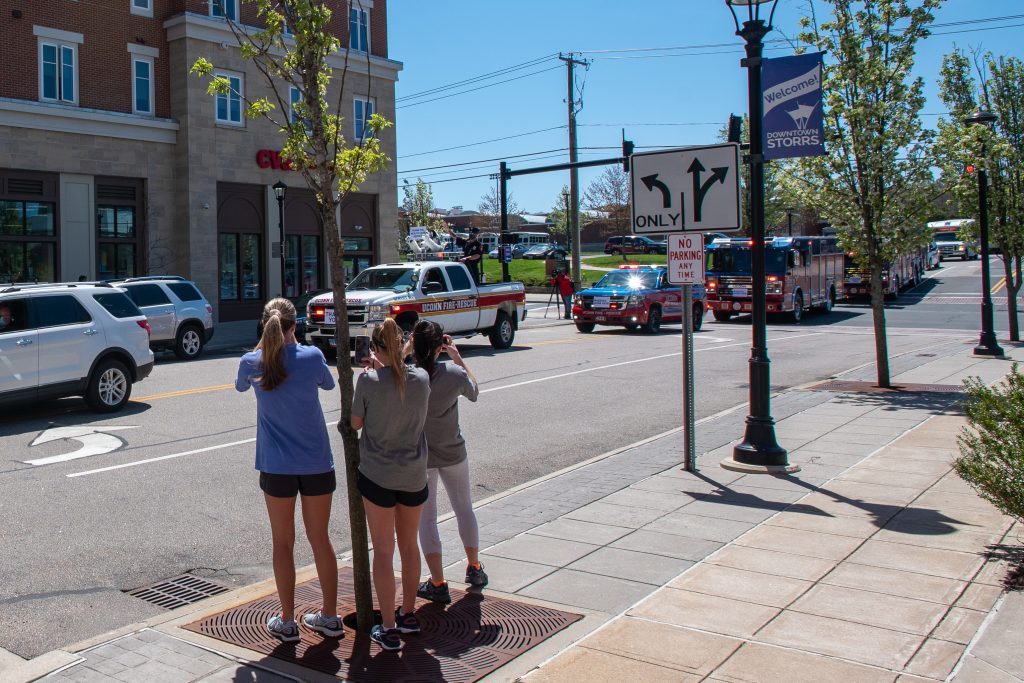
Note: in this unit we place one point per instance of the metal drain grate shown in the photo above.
(178, 592)
(464, 642)
(872, 388)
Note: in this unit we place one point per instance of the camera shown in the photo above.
(556, 272)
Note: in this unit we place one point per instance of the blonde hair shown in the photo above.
(388, 338)
(278, 318)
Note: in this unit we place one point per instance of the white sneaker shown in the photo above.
(329, 626)
(285, 631)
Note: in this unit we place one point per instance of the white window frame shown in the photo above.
(150, 62)
(145, 9)
(59, 47)
(230, 8)
(369, 104)
(241, 100)
(365, 12)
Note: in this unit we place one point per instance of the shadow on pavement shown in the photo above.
(935, 402)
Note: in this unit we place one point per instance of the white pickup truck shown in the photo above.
(440, 291)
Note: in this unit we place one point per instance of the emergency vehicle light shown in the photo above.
(630, 266)
(712, 284)
(773, 278)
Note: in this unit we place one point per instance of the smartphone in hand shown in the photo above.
(362, 349)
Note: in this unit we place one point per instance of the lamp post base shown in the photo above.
(993, 350)
(735, 466)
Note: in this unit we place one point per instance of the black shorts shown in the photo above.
(388, 498)
(290, 485)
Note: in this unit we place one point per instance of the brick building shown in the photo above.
(116, 162)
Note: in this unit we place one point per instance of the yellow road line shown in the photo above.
(999, 285)
(183, 392)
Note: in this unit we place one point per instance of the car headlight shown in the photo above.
(634, 300)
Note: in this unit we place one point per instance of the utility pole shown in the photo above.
(574, 182)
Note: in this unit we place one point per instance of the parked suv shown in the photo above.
(179, 315)
(81, 339)
(634, 244)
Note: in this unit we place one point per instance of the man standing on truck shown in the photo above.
(472, 252)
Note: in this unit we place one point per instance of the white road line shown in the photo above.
(639, 360)
(162, 457)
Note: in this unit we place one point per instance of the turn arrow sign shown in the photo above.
(94, 442)
(651, 182)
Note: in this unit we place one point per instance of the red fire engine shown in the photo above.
(902, 272)
(801, 273)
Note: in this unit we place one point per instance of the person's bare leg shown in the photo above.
(381, 522)
(282, 533)
(316, 514)
(407, 522)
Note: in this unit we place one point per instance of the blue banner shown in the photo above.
(791, 94)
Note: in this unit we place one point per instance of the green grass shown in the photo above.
(532, 273)
(616, 261)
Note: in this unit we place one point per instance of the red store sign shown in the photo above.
(268, 158)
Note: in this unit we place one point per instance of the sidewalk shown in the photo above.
(870, 564)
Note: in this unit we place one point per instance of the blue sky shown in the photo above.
(662, 98)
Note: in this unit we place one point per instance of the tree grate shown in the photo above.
(178, 592)
(460, 643)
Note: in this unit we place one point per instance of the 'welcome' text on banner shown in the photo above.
(791, 94)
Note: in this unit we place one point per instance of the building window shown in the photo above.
(116, 242)
(142, 85)
(306, 247)
(58, 72)
(240, 271)
(358, 30)
(28, 241)
(229, 106)
(142, 7)
(224, 9)
(363, 110)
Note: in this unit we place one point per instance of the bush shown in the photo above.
(992, 449)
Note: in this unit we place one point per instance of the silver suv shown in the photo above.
(72, 339)
(179, 315)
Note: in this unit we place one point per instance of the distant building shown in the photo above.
(116, 162)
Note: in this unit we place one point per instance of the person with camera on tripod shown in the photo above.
(561, 282)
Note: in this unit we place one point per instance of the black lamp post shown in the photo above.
(759, 451)
(279, 191)
(789, 216)
(987, 344)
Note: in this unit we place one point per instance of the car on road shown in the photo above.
(517, 251)
(546, 251)
(301, 302)
(934, 258)
(634, 244)
(635, 297)
(71, 339)
(180, 317)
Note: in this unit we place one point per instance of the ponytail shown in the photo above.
(278, 319)
(427, 338)
(388, 339)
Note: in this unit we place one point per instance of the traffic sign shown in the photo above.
(692, 189)
(686, 259)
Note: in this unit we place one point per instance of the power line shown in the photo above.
(475, 79)
(480, 161)
(482, 87)
(482, 142)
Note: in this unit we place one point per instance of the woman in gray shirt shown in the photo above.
(390, 406)
(446, 457)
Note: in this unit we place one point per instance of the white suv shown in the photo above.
(179, 316)
(74, 339)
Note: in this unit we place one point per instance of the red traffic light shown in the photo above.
(970, 168)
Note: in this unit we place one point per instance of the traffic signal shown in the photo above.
(735, 128)
(969, 168)
(627, 152)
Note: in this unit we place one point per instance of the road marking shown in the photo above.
(999, 285)
(162, 457)
(183, 392)
(638, 360)
(93, 440)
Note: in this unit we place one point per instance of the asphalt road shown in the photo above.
(179, 493)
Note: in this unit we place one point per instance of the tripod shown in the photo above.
(557, 298)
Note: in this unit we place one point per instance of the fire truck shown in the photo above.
(801, 273)
(902, 272)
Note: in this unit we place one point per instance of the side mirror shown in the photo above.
(432, 287)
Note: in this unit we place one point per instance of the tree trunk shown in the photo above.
(349, 436)
(1013, 283)
(878, 315)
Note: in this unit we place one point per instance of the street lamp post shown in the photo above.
(987, 344)
(279, 191)
(759, 451)
(789, 217)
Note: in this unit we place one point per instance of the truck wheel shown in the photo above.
(797, 314)
(110, 387)
(722, 316)
(653, 321)
(585, 328)
(698, 316)
(829, 303)
(503, 332)
(615, 252)
(189, 343)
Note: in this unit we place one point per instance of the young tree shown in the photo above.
(610, 192)
(872, 182)
(559, 217)
(332, 167)
(490, 206)
(418, 202)
(1002, 92)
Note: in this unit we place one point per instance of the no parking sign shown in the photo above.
(686, 259)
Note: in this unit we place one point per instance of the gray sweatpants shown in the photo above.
(457, 486)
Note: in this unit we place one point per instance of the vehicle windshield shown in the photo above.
(538, 248)
(737, 260)
(947, 237)
(397, 279)
(629, 278)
